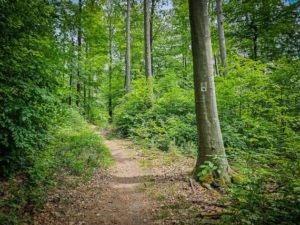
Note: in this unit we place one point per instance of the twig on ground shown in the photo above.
(192, 185)
(171, 170)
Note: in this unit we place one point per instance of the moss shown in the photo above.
(192, 173)
(207, 179)
(236, 177)
(214, 193)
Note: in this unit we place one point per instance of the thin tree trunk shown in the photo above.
(88, 106)
(87, 89)
(70, 96)
(222, 43)
(216, 64)
(71, 74)
(210, 140)
(184, 65)
(110, 111)
(128, 77)
(84, 98)
(153, 2)
(110, 72)
(255, 46)
(151, 22)
(148, 63)
(79, 56)
(147, 39)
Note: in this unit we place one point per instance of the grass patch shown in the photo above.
(152, 193)
(142, 189)
(163, 214)
(160, 197)
(148, 183)
(171, 190)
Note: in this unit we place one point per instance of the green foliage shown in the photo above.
(28, 81)
(74, 149)
(268, 192)
(259, 110)
(207, 167)
(170, 121)
(259, 113)
(257, 29)
(160, 197)
(136, 112)
(41, 66)
(258, 104)
(97, 115)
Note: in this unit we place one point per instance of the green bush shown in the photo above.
(28, 83)
(73, 149)
(170, 120)
(267, 188)
(258, 114)
(134, 113)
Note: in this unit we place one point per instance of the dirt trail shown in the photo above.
(126, 194)
(111, 196)
(129, 204)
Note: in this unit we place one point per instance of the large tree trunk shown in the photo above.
(221, 35)
(128, 49)
(148, 63)
(210, 142)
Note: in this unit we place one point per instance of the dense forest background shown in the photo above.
(64, 62)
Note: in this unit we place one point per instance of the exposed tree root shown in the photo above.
(192, 185)
(221, 180)
(210, 204)
(214, 214)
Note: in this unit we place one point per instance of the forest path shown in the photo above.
(142, 187)
(125, 203)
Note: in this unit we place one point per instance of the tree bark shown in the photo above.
(210, 142)
(148, 63)
(216, 64)
(147, 39)
(153, 3)
(128, 49)
(70, 83)
(79, 56)
(110, 72)
(110, 109)
(222, 43)
(84, 99)
(255, 38)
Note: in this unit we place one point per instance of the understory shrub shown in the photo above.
(171, 119)
(73, 150)
(258, 106)
(266, 187)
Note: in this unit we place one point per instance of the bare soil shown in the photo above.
(143, 187)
